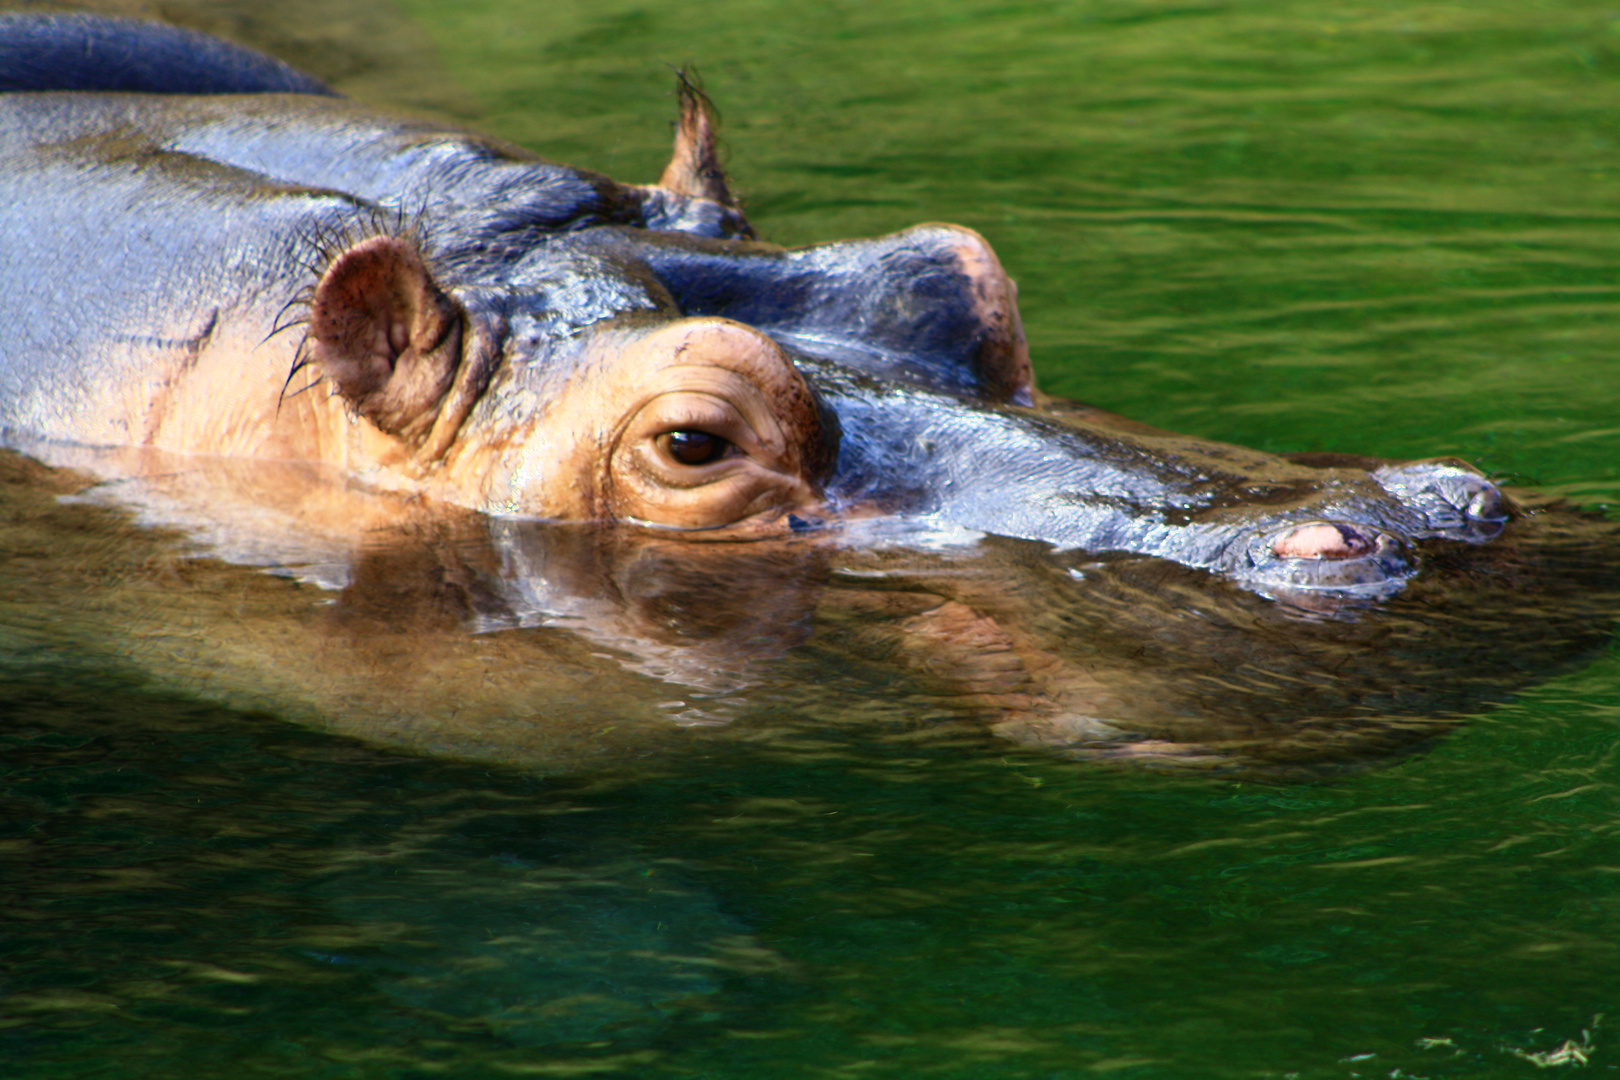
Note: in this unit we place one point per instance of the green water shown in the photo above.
(1383, 228)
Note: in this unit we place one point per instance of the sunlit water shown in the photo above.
(1381, 228)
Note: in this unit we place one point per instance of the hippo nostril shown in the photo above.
(1354, 563)
(1456, 502)
(1324, 541)
(1487, 504)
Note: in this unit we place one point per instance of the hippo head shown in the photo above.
(688, 378)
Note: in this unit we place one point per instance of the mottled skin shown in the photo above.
(466, 322)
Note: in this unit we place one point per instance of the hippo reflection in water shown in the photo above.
(442, 318)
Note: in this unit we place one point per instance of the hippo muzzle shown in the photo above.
(1285, 529)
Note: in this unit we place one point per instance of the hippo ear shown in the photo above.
(694, 170)
(385, 335)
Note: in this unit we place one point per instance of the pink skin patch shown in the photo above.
(1322, 542)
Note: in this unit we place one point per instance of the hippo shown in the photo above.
(208, 253)
(578, 468)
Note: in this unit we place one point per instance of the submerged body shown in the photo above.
(559, 648)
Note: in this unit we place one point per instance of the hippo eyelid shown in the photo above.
(706, 413)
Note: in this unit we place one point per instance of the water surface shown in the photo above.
(1386, 228)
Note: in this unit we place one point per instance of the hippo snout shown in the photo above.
(1374, 558)
(1316, 535)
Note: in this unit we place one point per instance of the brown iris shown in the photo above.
(694, 447)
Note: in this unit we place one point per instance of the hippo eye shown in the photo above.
(694, 447)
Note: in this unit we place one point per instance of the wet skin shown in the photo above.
(463, 321)
(469, 390)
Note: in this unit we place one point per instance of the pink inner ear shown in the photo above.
(399, 335)
(384, 334)
(359, 317)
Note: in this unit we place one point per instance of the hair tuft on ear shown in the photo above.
(694, 170)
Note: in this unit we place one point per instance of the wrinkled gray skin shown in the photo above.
(138, 223)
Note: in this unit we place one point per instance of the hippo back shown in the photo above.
(83, 52)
